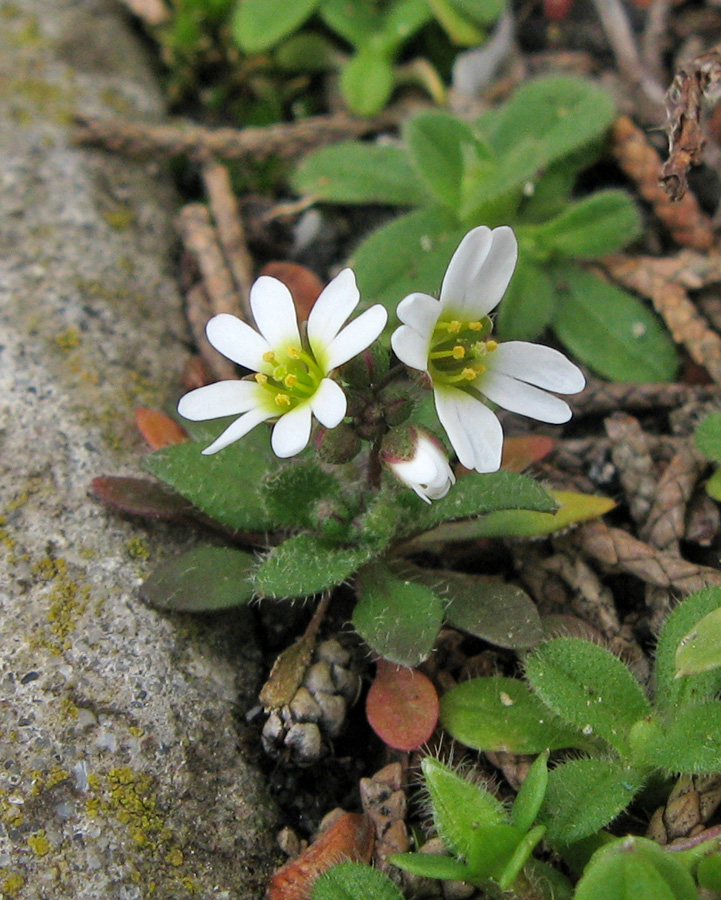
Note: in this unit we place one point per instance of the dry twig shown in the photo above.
(198, 311)
(689, 226)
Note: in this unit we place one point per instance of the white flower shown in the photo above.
(421, 464)
(291, 380)
(450, 340)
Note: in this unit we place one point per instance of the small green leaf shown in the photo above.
(584, 795)
(201, 580)
(690, 741)
(305, 565)
(366, 81)
(700, 649)
(708, 437)
(357, 23)
(429, 865)
(611, 330)
(713, 486)
(292, 493)
(675, 688)
(602, 223)
(530, 797)
(459, 806)
(398, 619)
(224, 486)
(459, 27)
(352, 881)
(519, 858)
(438, 142)
(258, 25)
(502, 714)
(589, 687)
(708, 872)
(485, 13)
(634, 867)
(306, 52)
(353, 172)
(527, 307)
(486, 607)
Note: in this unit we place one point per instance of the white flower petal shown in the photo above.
(355, 337)
(479, 272)
(420, 311)
(518, 397)
(237, 340)
(336, 302)
(472, 428)
(291, 432)
(539, 365)
(329, 403)
(411, 347)
(274, 312)
(224, 398)
(238, 429)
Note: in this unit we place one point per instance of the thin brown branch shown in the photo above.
(198, 311)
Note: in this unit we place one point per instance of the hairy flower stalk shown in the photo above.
(450, 339)
(291, 382)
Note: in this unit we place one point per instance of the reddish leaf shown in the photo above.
(196, 373)
(303, 284)
(557, 10)
(158, 429)
(351, 836)
(140, 497)
(521, 452)
(402, 706)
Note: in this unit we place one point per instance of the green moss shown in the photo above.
(137, 548)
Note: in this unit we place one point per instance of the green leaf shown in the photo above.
(589, 687)
(477, 494)
(520, 856)
(353, 172)
(306, 52)
(459, 806)
(584, 795)
(438, 143)
(366, 81)
(429, 865)
(352, 881)
(401, 21)
(305, 565)
(708, 437)
(708, 872)
(713, 486)
(291, 494)
(486, 607)
(459, 27)
(601, 223)
(485, 13)
(610, 330)
(409, 254)
(527, 307)
(398, 619)
(634, 867)
(202, 580)
(356, 22)
(690, 741)
(502, 714)
(563, 113)
(258, 25)
(673, 692)
(225, 486)
(700, 650)
(547, 195)
(530, 797)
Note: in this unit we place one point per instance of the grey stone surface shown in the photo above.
(120, 772)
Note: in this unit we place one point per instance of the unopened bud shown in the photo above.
(337, 445)
(418, 460)
(367, 368)
(397, 404)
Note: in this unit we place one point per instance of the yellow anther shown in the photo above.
(279, 373)
(293, 352)
(282, 400)
(491, 346)
(290, 380)
(261, 378)
(454, 327)
(469, 374)
(475, 326)
(459, 352)
(269, 356)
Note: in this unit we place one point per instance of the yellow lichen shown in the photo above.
(11, 882)
(137, 548)
(175, 857)
(39, 843)
(68, 339)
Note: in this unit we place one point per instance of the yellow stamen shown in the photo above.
(491, 346)
(459, 352)
(293, 352)
(261, 378)
(282, 400)
(454, 327)
(475, 326)
(290, 380)
(269, 356)
(469, 374)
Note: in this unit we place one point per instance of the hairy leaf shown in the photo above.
(352, 880)
(258, 25)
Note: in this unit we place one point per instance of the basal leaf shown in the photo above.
(672, 691)
(305, 565)
(530, 796)
(357, 23)
(402, 706)
(201, 580)
(398, 619)
(366, 81)
(352, 880)
(460, 28)
(584, 795)
(708, 437)
(588, 687)
(292, 493)
(258, 25)
(611, 330)
(225, 486)
(527, 307)
(700, 650)
(355, 172)
(140, 497)
(428, 865)
(690, 741)
(502, 714)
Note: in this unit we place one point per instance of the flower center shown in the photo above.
(459, 350)
(293, 377)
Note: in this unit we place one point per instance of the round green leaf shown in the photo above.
(258, 25)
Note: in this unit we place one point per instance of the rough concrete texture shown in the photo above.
(120, 772)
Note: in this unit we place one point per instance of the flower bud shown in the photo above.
(397, 404)
(337, 445)
(418, 460)
(367, 368)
